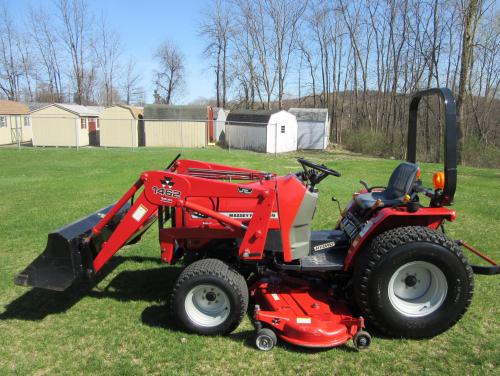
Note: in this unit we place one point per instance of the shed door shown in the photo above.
(94, 139)
(310, 134)
(16, 129)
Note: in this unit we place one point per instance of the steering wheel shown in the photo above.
(311, 175)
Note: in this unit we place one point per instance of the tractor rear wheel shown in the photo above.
(209, 298)
(412, 282)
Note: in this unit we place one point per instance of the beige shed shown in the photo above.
(122, 126)
(177, 126)
(63, 125)
(15, 123)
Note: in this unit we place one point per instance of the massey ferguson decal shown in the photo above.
(235, 215)
(167, 182)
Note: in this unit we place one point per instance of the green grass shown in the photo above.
(120, 326)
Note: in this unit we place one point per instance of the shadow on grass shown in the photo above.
(150, 285)
(37, 303)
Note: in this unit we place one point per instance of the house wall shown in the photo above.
(247, 137)
(285, 141)
(189, 134)
(53, 126)
(118, 128)
(13, 122)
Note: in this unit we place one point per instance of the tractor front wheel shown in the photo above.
(412, 282)
(209, 298)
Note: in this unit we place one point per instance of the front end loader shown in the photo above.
(245, 237)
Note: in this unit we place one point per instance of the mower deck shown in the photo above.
(302, 314)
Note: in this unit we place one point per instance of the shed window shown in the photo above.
(84, 123)
(3, 121)
(282, 129)
(27, 122)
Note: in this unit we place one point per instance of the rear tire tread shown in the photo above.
(383, 244)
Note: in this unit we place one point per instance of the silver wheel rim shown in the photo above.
(417, 289)
(264, 342)
(207, 305)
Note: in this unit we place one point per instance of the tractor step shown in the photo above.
(327, 252)
(328, 249)
(323, 260)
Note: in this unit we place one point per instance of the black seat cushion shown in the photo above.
(400, 184)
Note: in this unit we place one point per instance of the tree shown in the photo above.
(217, 28)
(169, 78)
(48, 49)
(471, 9)
(132, 92)
(75, 36)
(285, 18)
(107, 48)
(10, 65)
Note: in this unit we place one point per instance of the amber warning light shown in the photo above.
(438, 180)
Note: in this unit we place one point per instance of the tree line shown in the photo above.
(64, 53)
(361, 60)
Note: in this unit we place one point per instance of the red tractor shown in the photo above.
(246, 236)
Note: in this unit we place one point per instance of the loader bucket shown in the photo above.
(67, 258)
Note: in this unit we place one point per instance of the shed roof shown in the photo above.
(13, 108)
(254, 117)
(170, 112)
(97, 109)
(135, 111)
(76, 109)
(310, 114)
(36, 105)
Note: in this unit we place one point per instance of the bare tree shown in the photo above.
(217, 28)
(75, 35)
(311, 67)
(107, 47)
(471, 9)
(10, 65)
(132, 92)
(243, 70)
(254, 20)
(169, 78)
(47, 47)
(285, 18)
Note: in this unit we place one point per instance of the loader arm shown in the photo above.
(79, 250)
(168, 189)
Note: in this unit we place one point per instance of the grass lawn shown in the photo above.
(120, 325)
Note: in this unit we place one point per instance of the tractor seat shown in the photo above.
(400, 184)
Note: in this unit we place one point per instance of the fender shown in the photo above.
(389, 218)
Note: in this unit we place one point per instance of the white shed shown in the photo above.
(61, 124)
(313, 127)
(220, 116)
(15, 122)
(270, 131)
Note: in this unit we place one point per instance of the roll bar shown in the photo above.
(450, 140)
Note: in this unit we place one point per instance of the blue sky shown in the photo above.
(143, 25)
